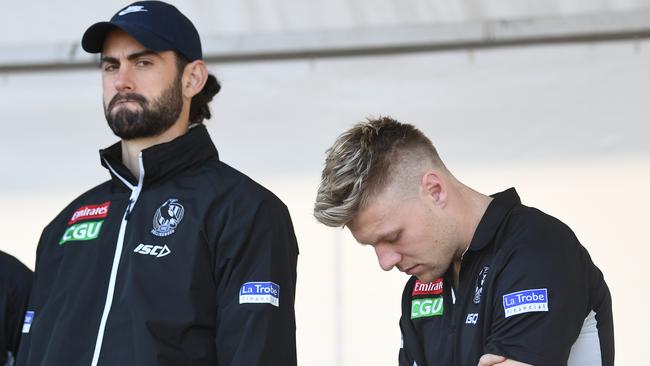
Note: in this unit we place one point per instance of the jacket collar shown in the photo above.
(164, 160)
(496, 212)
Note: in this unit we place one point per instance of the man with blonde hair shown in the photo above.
(493, 282)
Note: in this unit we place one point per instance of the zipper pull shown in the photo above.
(129, 209)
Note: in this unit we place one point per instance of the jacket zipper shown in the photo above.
(135, 192)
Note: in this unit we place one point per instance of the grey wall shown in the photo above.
(60, 21)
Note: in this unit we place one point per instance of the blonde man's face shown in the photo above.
(411, 234)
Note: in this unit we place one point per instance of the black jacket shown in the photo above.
(192, 264)
(15, 282)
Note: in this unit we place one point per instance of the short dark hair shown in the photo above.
(199, 109)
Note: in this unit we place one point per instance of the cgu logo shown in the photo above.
(421, 308)
(154, 250)
(80, 232)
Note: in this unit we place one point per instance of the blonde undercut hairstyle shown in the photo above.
(363, 161)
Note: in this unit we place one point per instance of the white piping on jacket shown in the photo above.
(135, 192)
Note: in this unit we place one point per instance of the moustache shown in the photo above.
(127, 97)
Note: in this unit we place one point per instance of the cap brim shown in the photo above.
(94, 37)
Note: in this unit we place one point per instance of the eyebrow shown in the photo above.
(133, 56)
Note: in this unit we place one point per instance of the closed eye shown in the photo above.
(392, 237)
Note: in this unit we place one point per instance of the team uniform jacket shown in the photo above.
(191, 264)
(527, 291)
(15, 282)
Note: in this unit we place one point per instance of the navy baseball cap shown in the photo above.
(156, 25)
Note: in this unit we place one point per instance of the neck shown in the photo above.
(472, 207)
(131, 149)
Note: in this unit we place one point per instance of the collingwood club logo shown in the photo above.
(480, 281)
(167, 217)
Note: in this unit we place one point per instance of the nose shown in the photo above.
(123, 81)
(387, 257)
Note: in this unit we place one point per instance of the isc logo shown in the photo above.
(472, 318)
(154, 250)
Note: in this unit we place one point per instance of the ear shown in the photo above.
(195, 76)
(434, 187)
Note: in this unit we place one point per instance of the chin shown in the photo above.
(426, 278)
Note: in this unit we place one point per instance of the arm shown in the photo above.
(490, 360)
(256, 286)
(39, 292)
(403, 358)
(21, 282)
(540, 297)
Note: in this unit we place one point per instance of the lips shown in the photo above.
(411, 270)
(126, 98)
(122, 101)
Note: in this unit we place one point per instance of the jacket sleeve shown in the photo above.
(17, 280)
(540, 301)
(36, 296)
(256, 282)
(19, 296)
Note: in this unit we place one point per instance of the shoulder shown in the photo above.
(96, 195)
(12, 267)
(13, 274)
(239, 207)
(529, 229)
(238, 188)
(531, 243)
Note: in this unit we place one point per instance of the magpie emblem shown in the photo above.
(167, 217)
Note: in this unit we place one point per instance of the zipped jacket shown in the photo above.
(193, 263)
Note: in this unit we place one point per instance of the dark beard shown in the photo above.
(151, 120)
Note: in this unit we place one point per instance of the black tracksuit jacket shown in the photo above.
(191, 264)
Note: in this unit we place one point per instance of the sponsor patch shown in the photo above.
(525, 301)
(90, 212)
(260, 293)
(88, 230)
(27, 324)
(167, 217)
(423, 288)
(472, 318)
(152, 250)
(421, 308)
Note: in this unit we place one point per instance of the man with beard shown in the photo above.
(178, 259)
(493, 282)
